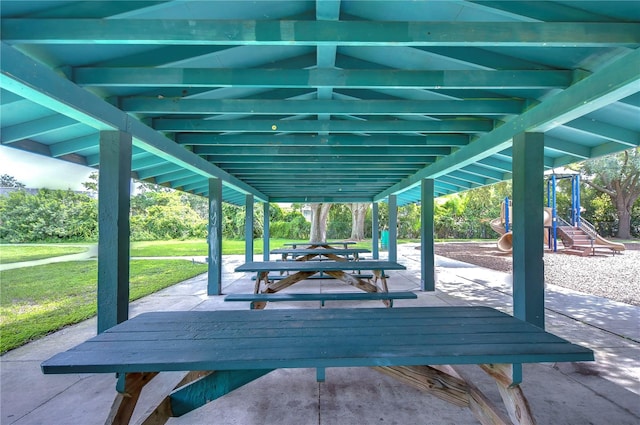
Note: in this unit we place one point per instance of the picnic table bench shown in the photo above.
(301, 270)
(322, 297)
(416, 345)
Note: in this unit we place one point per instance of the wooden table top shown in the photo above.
(329, 265)
(300, 338)
(319, 251)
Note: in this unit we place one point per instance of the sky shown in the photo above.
(38, 171)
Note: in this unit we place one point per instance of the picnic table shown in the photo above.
(301, 270)
(307, 254)
(345, 244)
(224, 350)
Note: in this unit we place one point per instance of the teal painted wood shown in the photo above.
(269, 339)
(209, 388)
(334, 126)
(265, 231)
(610, 83)
(313, 33)
(248, 228)
(319, 251)
(214, 238)
(113, 225)
(528, 229)
(427, 253)
(375, 228)
(275, 276)
(40, 84)
(393, 228)
(321, 78)
(332, 296)
(326, 244)
(292, 266)
(307, 107)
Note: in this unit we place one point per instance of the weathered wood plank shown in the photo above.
(433, 381)
(325, 344)
(296, 332)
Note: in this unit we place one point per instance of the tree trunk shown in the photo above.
(624, 215)
(319, 215)
(358, 213)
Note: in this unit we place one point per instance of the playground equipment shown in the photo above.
(503, 225)
(578, 236)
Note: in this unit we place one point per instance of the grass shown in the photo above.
(18, 253)
(199, 247)
(35, 301)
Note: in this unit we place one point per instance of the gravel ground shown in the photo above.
(614, 277)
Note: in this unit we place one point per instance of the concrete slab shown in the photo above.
(603, 392)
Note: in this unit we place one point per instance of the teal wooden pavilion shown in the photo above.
(320, 101)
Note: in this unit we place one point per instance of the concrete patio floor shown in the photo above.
(606, 391)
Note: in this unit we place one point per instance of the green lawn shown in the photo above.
(35, 301)
(18, 253)
(199, 247)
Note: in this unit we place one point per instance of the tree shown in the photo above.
(9, 181)
(617, 176)
(358, 214)
(319, 214)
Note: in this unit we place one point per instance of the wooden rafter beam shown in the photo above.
(440, 140)
(485, 107)
(367, 33)
(613, 82)
(320, 78)
(332, 126)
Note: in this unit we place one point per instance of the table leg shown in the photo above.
(127, 397)
(380, 275)
(353, 280)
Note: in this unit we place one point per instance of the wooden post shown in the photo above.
(528, 228)
(393, 228)
(114, 187)
(375, 228)
(265, 232)
(427, 259)
(248, 228)
(214, 238)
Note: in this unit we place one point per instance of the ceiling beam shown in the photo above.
(320, 78)
(37, 127)
(341, 33)
(310, 159)
(485, 107)
(611, 83)
(34, 81)
(321, 151)
(614, 133)
(332, 126)
(439, 140)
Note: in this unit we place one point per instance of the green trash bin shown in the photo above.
(384, 240)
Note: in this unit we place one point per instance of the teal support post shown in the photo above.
(528, 236)
(393, 228)
(427, 260)
(375, 228)
(265, 232)
(114, 186)
(214, 238)
(248, 228)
